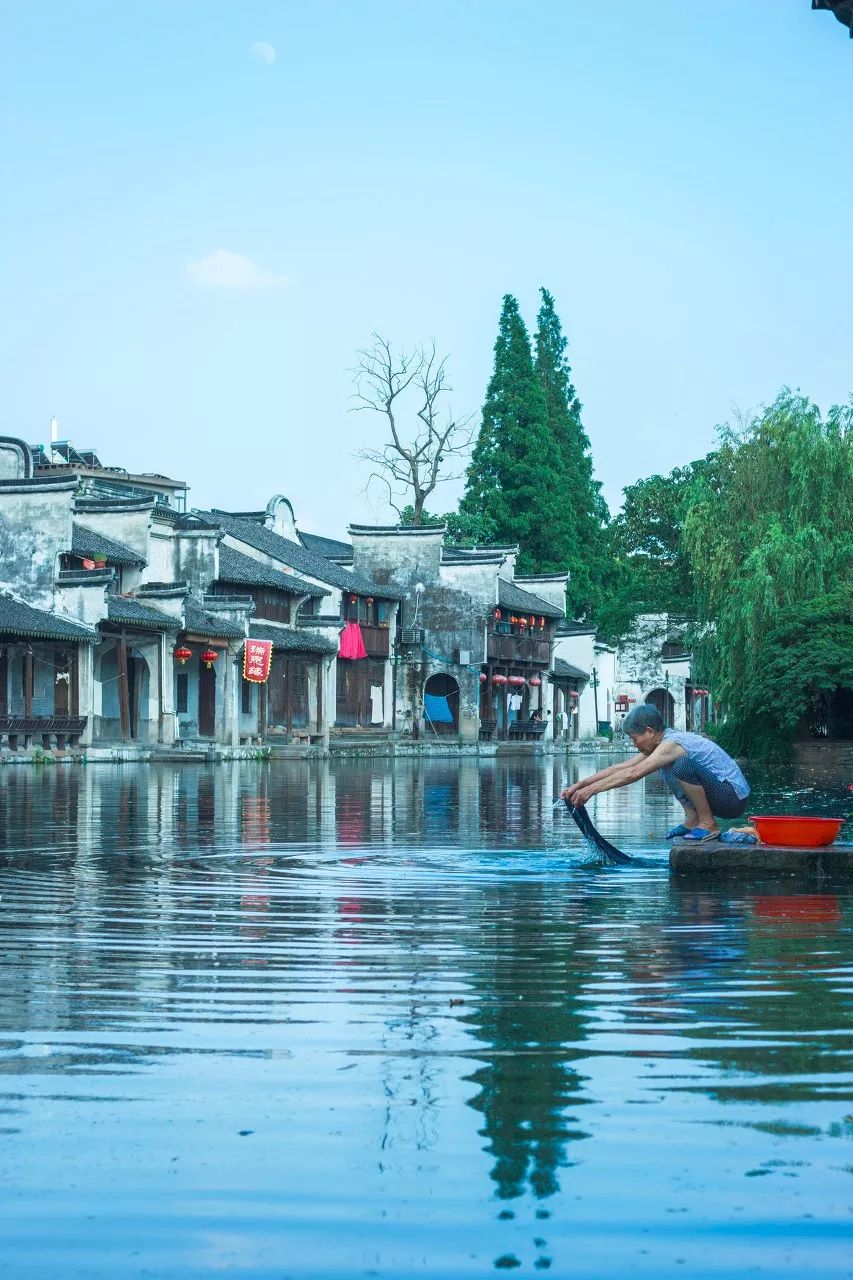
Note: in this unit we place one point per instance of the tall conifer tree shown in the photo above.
(578, 527)
(514, 473)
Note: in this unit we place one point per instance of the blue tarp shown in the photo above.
(436, 709)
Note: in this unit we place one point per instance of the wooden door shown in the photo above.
(352, 691)
(298, 676)
(206, 701)
(277, 692)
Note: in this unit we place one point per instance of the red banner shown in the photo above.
(257, 656)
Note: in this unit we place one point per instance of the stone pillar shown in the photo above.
(86, 690)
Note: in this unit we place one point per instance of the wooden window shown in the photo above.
(182, 687)
(272, 605)
(246, 698)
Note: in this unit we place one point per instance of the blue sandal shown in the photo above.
(680, 830)
(698, 834)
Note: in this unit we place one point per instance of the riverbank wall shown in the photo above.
(404, 749)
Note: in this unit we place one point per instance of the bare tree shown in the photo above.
(429, 451)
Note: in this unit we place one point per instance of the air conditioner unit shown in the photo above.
(412, 635)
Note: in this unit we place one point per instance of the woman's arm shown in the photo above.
(632, 770)
(609, 772)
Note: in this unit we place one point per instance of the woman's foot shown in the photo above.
(698, 834)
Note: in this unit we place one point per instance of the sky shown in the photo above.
(209, 205)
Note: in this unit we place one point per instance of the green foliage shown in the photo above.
(427, 520)
(514, 475)
(580, 516)
(769, 532)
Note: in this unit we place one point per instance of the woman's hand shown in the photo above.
(582, 787)
(583, 793)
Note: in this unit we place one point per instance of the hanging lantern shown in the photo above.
(370, 599)
(522, 622)
(498, 615)
(541, 624)
(498, 679)
(483, 677)
(183, 655)
(535, 682)
(209, 657)
(532, 620)
(516, 680)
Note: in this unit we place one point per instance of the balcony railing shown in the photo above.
(376, 641)
(22, 730)
(513, 649)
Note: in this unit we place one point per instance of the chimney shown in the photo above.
(54, 430)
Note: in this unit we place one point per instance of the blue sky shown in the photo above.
(209, 205)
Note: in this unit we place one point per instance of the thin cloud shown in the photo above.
(263, 51)
(222, 269)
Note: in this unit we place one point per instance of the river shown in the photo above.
(357, 1019)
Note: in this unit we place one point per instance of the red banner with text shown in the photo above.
(257, 656)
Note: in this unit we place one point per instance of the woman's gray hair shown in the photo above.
(643, 717)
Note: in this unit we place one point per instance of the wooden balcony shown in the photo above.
(376, 641)
(24, 729)
(513, 649)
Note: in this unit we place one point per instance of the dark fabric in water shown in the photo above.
(588, 831)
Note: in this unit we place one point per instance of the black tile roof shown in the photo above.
(92, 545)
(330, 548)
(19, 619)
(201, 622)
(299, 557)
(133, 614)
(184, 519)
(512, 597)
(235, 567)
(295, 641)
(565, 671)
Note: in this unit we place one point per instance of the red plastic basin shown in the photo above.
(807, 833)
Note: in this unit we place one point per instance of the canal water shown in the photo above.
(365, 1019)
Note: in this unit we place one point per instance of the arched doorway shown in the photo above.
(441, 704)
(665, 703)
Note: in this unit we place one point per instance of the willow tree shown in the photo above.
(770, 536)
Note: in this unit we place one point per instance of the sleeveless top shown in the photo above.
(708, 755)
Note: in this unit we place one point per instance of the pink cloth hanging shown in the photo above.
(352, 645)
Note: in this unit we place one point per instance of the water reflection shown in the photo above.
(408, 989)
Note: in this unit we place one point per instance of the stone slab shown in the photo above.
(713, 859)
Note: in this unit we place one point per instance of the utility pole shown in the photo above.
(594, 683)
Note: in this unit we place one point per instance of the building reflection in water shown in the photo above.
(414, 895)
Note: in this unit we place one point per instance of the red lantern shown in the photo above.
(535, 682)
(498, 615)
(532, 620)
(483, 677)
(541, 624)
(522, 622)
(498, 679)
(209, 657)
(353, 599)
(183, 655)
